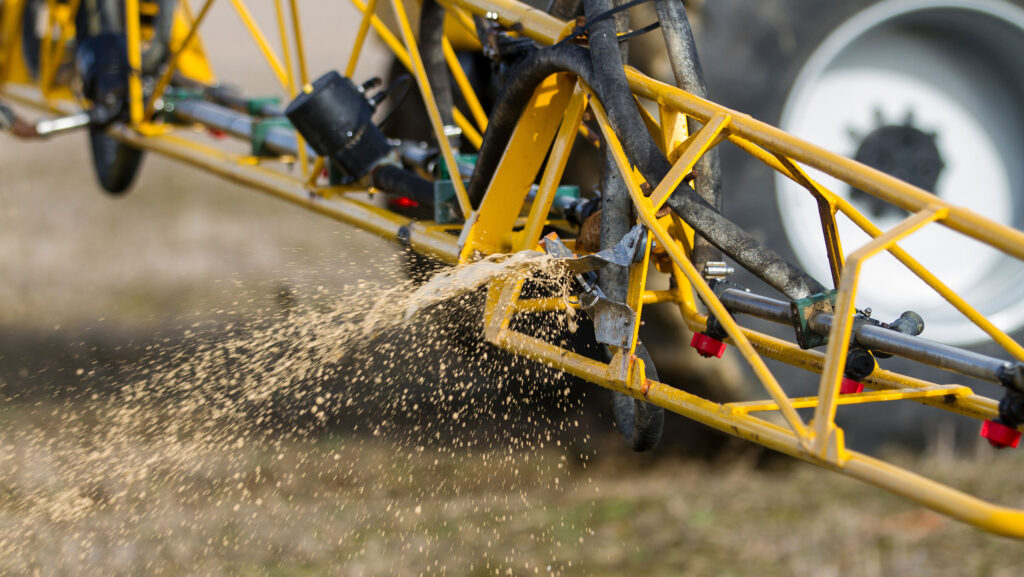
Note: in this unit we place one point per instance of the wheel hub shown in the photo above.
(932, 92)
(904, 151)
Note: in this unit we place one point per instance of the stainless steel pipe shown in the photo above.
(877, 338)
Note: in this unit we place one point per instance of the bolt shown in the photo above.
(717, 269)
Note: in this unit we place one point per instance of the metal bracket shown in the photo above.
(260, 128)
(614, 322)
(621, 254)
(803, 309)
(255, 105)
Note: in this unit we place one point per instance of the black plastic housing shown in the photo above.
(337, 121)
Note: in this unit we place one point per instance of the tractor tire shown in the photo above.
(30, 34)
(116, 163)
(930, 91)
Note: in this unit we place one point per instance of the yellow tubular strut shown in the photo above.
(300, 49)
(134, 39)
(261, 42)
(467, 91)
(538, 152)
(555, 166)
(420, 73)
(398, 49)
(289, 70)
(62, 15)
(364, 27)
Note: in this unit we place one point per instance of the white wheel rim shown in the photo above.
(955, 65)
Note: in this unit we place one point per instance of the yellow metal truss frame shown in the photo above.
(542, 143)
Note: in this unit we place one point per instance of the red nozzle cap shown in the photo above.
(999, 435)
(706, 346)
(403, 202)
(847, 386)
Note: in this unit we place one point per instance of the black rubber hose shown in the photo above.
(609, 80)
(515, 94)
(640, 147)
(622, 27)
(432, 51)
(616, 220)
(689, 75)
(743, 248)
(682, 49)
(640, 423)
(391, 178)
